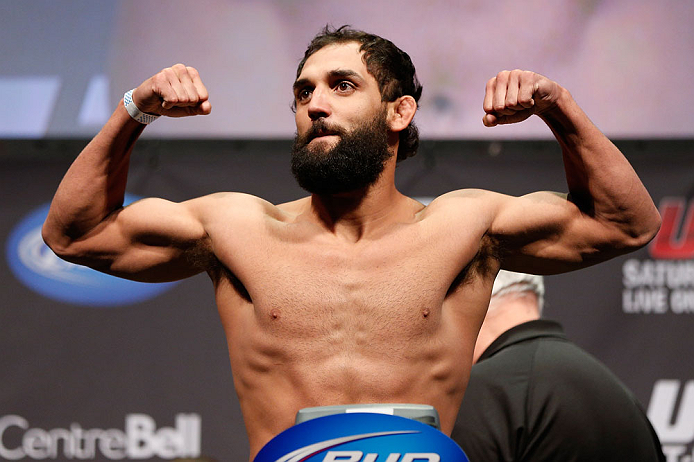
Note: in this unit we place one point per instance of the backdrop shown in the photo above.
(97, 369)
(65, 63)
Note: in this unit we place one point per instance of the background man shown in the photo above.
(357, 293)
(535, 396)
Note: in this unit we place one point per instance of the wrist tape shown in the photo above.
(134, 112)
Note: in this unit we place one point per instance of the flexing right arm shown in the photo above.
(148, 240)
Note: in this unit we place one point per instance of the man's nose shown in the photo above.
(319, 105)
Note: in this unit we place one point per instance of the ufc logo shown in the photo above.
(675, 240)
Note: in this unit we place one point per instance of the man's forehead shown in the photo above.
(338, 56)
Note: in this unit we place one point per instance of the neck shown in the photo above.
(505, 311)
(357, 213)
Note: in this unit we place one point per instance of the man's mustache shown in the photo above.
(320, 128)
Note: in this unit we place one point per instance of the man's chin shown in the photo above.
(323, 143)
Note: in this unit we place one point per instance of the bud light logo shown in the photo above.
(37, 267)
(361, 437)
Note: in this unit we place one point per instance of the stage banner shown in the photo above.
(97, 368)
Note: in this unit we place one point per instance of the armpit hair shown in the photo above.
(219, 273)
(480, 264)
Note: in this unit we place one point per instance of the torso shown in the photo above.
(315, 320)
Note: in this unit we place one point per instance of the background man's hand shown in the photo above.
(176, 91)
(513, 96)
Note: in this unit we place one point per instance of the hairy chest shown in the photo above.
(394, 286)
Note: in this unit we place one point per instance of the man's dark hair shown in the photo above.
(391, 67)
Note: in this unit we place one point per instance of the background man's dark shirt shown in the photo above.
(535, 396)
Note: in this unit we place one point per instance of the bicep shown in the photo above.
(149, 240)
(544, 232)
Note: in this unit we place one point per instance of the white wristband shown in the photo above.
(136, 113)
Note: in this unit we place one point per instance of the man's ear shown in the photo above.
(401, 113)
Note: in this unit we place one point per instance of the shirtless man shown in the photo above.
(357, 293)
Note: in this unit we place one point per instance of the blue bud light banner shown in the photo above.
(361, 437)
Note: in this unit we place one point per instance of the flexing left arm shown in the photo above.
(608, 210)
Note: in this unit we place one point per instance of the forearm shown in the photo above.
(601, 181)
(94, 185)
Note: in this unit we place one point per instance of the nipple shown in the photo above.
(425, 312)
(275, 313)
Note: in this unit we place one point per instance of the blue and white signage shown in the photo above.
(361, 437)
(37, 267)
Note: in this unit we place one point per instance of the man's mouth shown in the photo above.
(325, 132)
(322, 133)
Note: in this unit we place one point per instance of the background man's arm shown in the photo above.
(608, 210)
(87, 224)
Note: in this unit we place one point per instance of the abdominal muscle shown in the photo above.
(285, 359)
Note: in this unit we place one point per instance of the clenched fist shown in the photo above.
(513, 96)
(176, 91)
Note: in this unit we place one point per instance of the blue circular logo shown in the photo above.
(361, 437)
(37, 267)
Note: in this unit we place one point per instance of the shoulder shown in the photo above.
(467, 194)
(574, 380)
(563, 360)
(463, 203)
(231, 205)
(572, 391)
(495, 203)
(227, 198)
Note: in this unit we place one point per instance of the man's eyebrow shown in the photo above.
(345, 73)
(299, 83)
(337, 73)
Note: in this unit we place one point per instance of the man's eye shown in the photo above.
(303, 95)
(344, 86)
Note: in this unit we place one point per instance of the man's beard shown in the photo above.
(355, 162)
